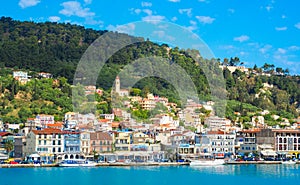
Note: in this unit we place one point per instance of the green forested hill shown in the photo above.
(57, 48)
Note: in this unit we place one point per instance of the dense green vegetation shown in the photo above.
(57, 48)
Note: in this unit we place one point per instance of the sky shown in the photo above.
(256, 31)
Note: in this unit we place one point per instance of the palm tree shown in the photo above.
(9, 146)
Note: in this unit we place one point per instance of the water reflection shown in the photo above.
(252, 170)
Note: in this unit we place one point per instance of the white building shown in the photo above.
(221, 143)
(47, 142)
(85, 143)
(216, 123)
(118, 90)
(21, 76)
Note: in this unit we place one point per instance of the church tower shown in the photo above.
(117, 85)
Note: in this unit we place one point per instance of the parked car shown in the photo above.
(24, 162)
(13, 162)
(239, 159)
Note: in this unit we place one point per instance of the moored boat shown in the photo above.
(214, 162)
(288, 162)
(77, 163)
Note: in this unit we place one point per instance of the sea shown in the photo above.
(149, 175)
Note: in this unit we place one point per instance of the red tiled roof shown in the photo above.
(251, 131)
(2, 134)
(215, 132)
(49, 131)
(286, 130)
(115, 124)
(100, 136)
(55, 125)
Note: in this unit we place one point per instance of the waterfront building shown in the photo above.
(287, 142)
(101, 142)
(47, 143)
(85, 143)
(247, 139)
(123, 140)
(19, 146)
(71, 142)
(222, 143)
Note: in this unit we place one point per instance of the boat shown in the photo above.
(77, 163)
(288, 162)
(215, 162)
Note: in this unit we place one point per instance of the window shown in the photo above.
(45, 142)
(59, 149)
(40, 142)
(53, 150)
(53, 142)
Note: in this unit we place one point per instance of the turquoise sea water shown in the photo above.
(226, 174)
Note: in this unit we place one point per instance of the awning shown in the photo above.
(3, 157)
(34, 155)
(268, 153)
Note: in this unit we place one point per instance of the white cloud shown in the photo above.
(193, 26)
(54, 18)
(287, 62)
(92, 21)
(281, 50)
(283, 17)
(153, 18)
(297, 25)
(146, 4)
(243, 53)
(28, 3)
(137, 11)
(147, 11)
(174, 1)
(265, 49)
(88, 1)
(231, 10)
(281, 28)
(205, 19)
(162, 35)
(202, 1)
(73, 8)
(269, 7)
(241, 38)
(227, 47)
(174, 19)
(187, 11)
(294, 48)
(129, 28)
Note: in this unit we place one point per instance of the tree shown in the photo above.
(9, 146)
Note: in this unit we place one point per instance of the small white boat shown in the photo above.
(288, 162)
(77, 163)
(214, 162)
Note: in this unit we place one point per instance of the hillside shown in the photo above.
(57, 49)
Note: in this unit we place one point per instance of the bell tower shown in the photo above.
(117, 85)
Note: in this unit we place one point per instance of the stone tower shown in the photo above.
(117, 85)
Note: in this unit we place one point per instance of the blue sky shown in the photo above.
(256, 31)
